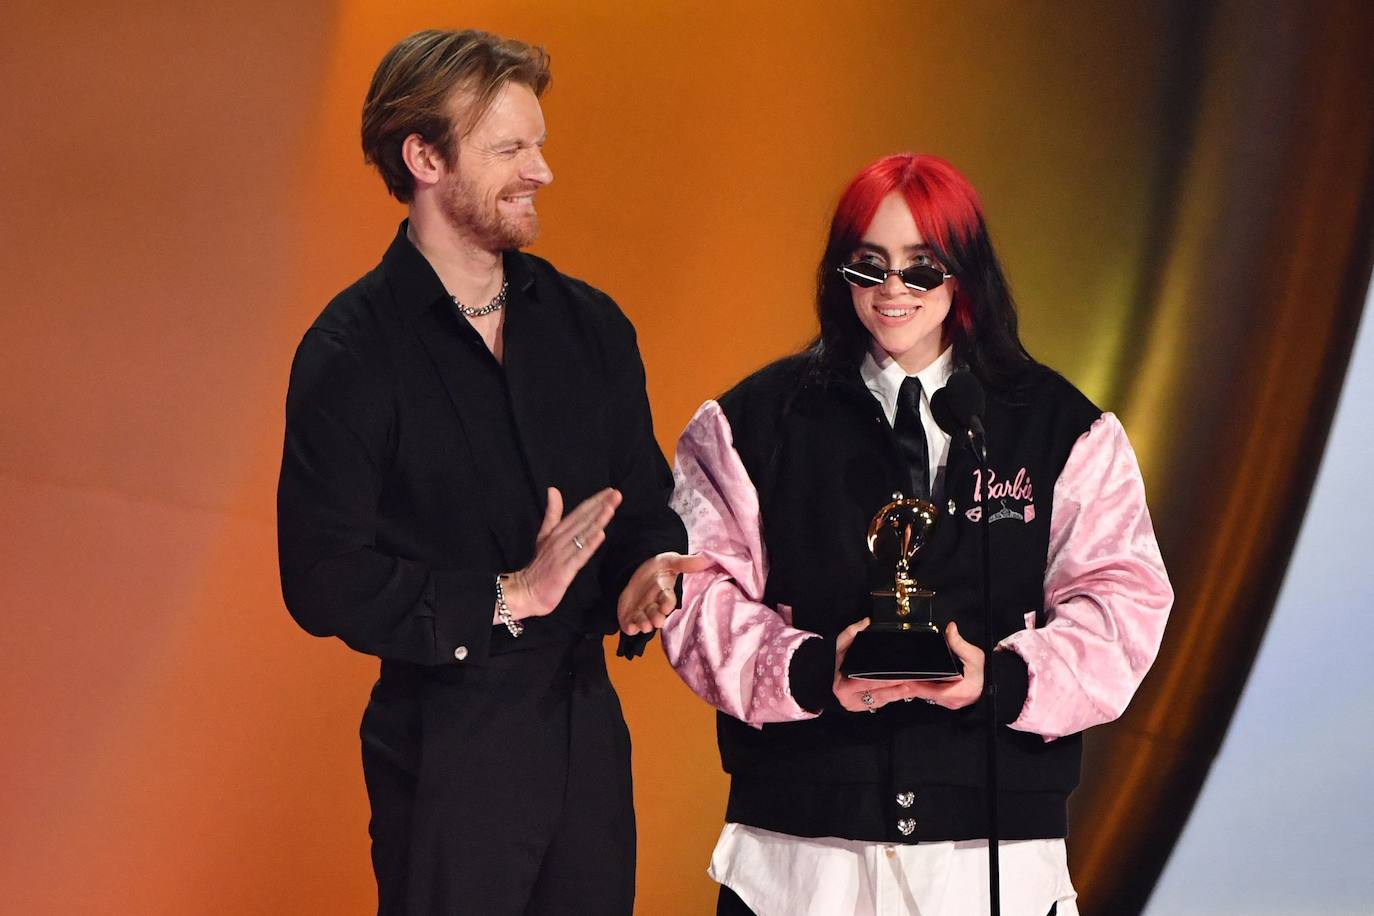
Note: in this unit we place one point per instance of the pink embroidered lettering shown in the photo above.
(1018, 487)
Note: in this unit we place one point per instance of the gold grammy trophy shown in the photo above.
(900, 643)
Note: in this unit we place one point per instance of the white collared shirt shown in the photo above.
(884, 379)
(780, 875)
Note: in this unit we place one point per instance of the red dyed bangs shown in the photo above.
(942, 202)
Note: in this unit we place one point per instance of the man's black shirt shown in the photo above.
(415, 466)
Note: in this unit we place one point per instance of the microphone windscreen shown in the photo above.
(943, 413)
(965, 396)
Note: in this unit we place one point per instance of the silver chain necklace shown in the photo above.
(497, 303)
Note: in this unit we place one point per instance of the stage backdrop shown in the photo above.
(1179, 192)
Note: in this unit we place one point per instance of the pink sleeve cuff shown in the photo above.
(1107, 595)
(728, 647)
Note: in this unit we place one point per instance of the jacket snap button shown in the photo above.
(905, 799)
(907, 826)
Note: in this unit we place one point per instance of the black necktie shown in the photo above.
(911, 436)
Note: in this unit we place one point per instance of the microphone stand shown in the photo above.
(978, 444)
(965, 417)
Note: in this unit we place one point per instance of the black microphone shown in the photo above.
(959, 406)
(944, 414)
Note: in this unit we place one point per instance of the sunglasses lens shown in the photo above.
(922, 278)
(863, 274)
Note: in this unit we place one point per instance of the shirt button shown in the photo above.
(907, 826)
(891, 851)
(460, 653)
(905, 799)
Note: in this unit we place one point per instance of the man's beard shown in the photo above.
(464, 209)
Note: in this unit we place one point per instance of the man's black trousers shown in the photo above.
(502, 789)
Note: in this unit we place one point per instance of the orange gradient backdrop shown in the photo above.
(182, 191)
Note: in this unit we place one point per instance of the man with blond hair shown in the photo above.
(471, 491)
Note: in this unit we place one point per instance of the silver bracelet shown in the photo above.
(503, 611)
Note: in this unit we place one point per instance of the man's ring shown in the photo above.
(930, 700)
(866, 698)
(577, 542)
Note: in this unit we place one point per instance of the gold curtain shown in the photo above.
(1243, 332)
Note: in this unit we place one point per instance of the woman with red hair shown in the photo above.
(844, 796)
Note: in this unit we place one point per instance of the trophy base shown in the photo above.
(900, 655)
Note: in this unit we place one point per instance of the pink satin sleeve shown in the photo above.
(729, 648)
(1107, 595)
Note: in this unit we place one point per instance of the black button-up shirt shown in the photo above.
(415, 466)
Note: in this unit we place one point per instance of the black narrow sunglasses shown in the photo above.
(920, 277)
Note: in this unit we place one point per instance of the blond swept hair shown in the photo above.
(411, 89)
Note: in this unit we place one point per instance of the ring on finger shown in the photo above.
(577, 542)
(866, 698)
